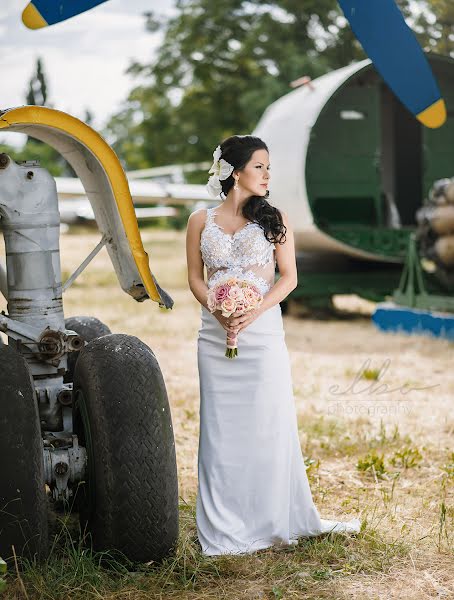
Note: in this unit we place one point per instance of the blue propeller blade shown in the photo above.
(41, 13)
(393, 48)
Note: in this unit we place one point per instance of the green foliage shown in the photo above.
(383, 437)
(37, 86)
(220, 65)
(312, 467)
(434, 26)
(2, 573)
(73, 569)
(373, 463)
(33, 149)
(277, 592)
(180, 220)
(370, 374)
(406, 457)
(48, 158)
(448, 468)
(320, 574)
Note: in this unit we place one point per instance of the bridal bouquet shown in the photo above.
(236, 297)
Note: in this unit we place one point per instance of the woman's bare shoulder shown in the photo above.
(197, 218)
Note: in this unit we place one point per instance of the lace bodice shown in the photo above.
(246, 254)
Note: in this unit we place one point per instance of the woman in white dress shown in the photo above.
(253, 490)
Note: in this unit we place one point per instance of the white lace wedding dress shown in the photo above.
(253, 490)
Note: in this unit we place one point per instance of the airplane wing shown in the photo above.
(74, 206)
(141, 191)
(79, 210)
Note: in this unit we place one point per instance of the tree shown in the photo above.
(48, 157)
(222, 63)
(434, 26)
(37, 87)
(88, 118)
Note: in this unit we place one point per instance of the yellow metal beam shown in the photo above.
(56, 120)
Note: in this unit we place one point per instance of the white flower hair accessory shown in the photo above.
(221, 169)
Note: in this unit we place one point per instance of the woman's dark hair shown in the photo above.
(237, 150)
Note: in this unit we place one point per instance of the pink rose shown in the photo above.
(240, 307)
(250, 295)
(228, 307)
(221, 292)
(236, 293)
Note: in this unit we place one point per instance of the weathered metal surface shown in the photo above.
(349, 167)
(106, 186)
(64, 463)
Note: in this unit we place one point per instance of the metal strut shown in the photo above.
(104, 240)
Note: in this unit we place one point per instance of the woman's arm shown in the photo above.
(286, 261)
(194, 260)
(196, 281)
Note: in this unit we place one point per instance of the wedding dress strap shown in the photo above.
(209, 216)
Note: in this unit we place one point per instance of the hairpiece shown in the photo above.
(220, 170)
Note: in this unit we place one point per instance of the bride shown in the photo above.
(253, 491)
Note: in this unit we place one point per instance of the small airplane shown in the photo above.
(163, 185)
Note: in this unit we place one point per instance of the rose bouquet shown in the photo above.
(236, 297)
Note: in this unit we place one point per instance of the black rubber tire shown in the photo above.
(89, 328)
(23, 501)
(130, 499)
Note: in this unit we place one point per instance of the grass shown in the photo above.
(314, 566)
(2, 572)
(406, 546)
(448, 468)
(373, 463)
(331, 436)
(407, 457)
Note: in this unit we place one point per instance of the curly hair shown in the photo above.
(237, 150)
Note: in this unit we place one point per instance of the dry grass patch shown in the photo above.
(405, 549)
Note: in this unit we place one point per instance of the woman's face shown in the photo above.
(255, 176)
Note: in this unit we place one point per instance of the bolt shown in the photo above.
(4, 160)
(77, 343)
(61, 468)
(30, 175)
(65, 397)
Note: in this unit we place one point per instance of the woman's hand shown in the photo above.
(224, 321)
(237, 323)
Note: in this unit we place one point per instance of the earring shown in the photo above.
(235, 187)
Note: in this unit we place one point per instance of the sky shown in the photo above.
(84, 58)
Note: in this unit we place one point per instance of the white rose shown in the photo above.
(214, 186)
(217, 154)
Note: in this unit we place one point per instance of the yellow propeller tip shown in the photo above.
(32, 19)
(434, 116)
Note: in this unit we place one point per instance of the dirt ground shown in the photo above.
(405, 412)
